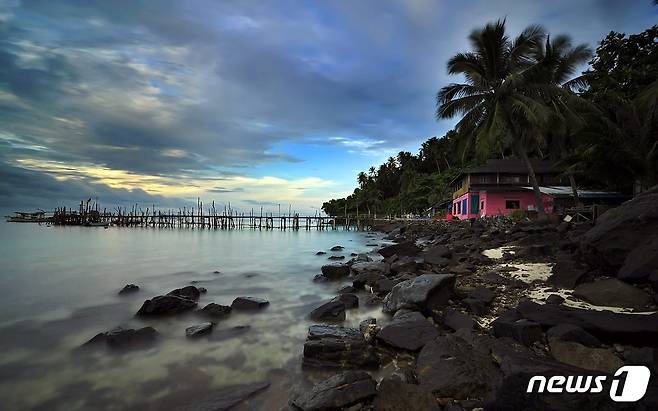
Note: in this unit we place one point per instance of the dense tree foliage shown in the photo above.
(519, 99)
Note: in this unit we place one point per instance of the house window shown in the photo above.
(512, 204)
(465, 206)
(459, 208)
(482, 205)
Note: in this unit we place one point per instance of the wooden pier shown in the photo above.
(204, 218)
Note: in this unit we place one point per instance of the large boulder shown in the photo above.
(451, 367)
(124, 338)
(333, 310)
(335, 271)
(163, 305)
(512, 326)
(249, 303)
(198, 330)
(332, 346)
(622, 239)
(190, 292)
(337, 392)
(409, 330)
(350, 300)
(426, 292)
(213, 310)
(407, 248)
(613, 293)
(404, 264)
(566, 272)
(633, 329)
(378, 267)
(568, 332)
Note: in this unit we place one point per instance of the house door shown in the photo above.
(475, 203)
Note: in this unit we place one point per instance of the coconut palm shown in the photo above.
(500, 102)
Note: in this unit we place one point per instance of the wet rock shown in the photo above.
(642, 261)
(524, 331)
(363, 258)
(369, 279)
(383, 286)
(330, 311)
(320, 253)
(203, 290)
(225, 398)
(395, 395)
(407, 248)
(333, 346)
(607, 326)
(336, 257)
(337, 392)
(215, 310)
(350, 300)
(568, 332)
(335, 271)
(337, 248)
(437, 255)
(578, 355)
(647, 356)
(198, 330)
(536, 250)
(614, 293)
(348, 289)
(365, 324)
(457, 320)
(409, 331)
(554, 299)
(451, 367)
(249, 303)
(124, 338)
(370, 268)
(164, 305)
(129, 289)
(190, 292)
(426, 292)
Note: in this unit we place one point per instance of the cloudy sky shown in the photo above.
(257, 103)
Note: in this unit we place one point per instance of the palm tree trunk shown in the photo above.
(539, 203)
(574, 190)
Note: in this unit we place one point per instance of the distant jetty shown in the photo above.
(89, 214)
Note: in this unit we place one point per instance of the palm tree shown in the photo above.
(500, 102)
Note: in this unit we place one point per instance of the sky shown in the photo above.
(249, 102)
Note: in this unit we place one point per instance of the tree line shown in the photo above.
(521, 98)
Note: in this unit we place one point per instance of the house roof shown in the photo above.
(565, 191)
(512, 166)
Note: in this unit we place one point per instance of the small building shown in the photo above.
(501, 186)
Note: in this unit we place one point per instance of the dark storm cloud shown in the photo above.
(207, 89)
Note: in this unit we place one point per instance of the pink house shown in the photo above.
(499, 187)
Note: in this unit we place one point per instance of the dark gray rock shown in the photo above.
(249, 303)
(554, 299)
(436, 255)
(383, 286)
(395, 395)
(407, 248)
(614, 293)
(190, 292)
(370, 279)
(477, 307)
(164, 305)
(483, 294)
(320, 253)
(337, 248)
(198, 330)
(350, 300)
(588, 358)
(125, 338)
(409, 331)
(451, 367)
(457, 320)
(337, 392)
(129, 289)
(348, 289)
(567, 273)
(524, 331)
(365, 324)
(568, 332)
(335, 271)
(426, 292)
(215, 310)
(404, 264)
(379, 267)
(330, 311)
(332, 346)
(642, 261)
(336, 257)
(634, 329)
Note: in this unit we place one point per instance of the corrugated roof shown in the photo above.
(566, 191)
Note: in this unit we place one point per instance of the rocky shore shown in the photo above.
(478, 308)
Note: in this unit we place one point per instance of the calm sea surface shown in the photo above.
(59, 288)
